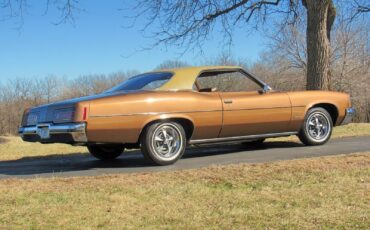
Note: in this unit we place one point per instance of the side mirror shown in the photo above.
(265, 89)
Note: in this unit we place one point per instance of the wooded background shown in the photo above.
(282, 65)
(294, 59)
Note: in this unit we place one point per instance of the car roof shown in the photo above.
(184, 78)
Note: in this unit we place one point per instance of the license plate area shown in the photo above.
(43, 132)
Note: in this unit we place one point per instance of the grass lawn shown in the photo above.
(12, 148)
(326, 192)
(350, 130)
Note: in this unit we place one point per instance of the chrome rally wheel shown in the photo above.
(167, 141)
(163, 143)
(317, 127)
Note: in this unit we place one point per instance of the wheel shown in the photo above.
(163, 143)
(105, 152)
(317, 127)
(254, 142)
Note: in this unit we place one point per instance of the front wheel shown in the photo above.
(317, 127)
(163, 143)
(105, 152)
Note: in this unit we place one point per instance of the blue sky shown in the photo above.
(99, 42)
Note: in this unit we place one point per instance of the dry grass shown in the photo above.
(14, 148)
(326, 192)
(350, 130)
(353, 129)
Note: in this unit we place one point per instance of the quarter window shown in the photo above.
(146, 81)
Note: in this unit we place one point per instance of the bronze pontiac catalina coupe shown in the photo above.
(164, 111)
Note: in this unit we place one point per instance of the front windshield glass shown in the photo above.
(146, 81)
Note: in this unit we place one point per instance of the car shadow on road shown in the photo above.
(28, 166)
(220, 149)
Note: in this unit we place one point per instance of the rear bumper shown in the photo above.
(350, 112)
(62, 133)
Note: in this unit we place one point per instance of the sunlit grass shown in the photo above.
(316, 193)
(14, 148)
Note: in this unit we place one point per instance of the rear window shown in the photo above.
(146, 81)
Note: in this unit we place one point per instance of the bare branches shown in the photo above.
(290, 44)
(13, 9)
(169, 64)
(187, 24)
(358, 9)
(17, 9)
(67, 9)
(362, 7)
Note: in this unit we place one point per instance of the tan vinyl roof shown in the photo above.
(184, 78)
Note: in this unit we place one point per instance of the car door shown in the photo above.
(250, 113)
(247, 109)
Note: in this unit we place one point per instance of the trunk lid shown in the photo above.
(45, 113)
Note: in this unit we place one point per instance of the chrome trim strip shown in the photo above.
(350, 113)
(198, 111)
(257, 109)
(154, 113)
(239, 138)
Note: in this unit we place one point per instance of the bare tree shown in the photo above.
(93, 84)
(50, 86)
(188, 24)
(360, 6)
(17, 9)
(349, 60)
(169, 64)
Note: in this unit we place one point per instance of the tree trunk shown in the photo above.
(320, 18)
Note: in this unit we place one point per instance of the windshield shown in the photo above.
(146, 81)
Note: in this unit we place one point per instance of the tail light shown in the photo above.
(84, 115)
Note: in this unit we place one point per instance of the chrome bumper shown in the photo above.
(350, 112)
(63, 133)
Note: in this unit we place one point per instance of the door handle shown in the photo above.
(228, 101)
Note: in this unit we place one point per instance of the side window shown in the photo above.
(154, 84)
(227, 81)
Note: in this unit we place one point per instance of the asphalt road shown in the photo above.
(85, 165)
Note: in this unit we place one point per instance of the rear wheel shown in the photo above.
(317, 127)
(163, 143)
(105, 152)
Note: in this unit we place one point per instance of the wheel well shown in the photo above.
(185, 123)
(332, 110)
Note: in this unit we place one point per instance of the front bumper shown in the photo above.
(350, 112)
(55, 133)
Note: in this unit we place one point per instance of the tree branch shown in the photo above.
(16, 9)
(188, 23)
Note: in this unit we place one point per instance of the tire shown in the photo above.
(163, 143)
(256, 142)
(106, 152)
(317, 127)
